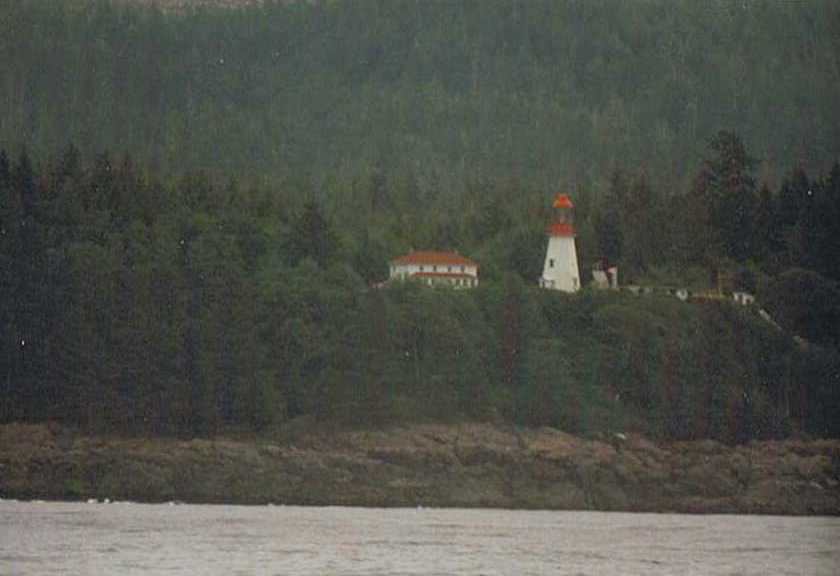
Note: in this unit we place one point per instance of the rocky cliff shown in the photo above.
(430, 465)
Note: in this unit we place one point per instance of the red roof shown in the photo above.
(561, 229)
(434, 258)
(563, 201)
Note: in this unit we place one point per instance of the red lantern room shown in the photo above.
(563, 221)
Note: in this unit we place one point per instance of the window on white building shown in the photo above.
(550, 263)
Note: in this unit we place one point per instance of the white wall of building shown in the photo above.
(403, 271)
(453, 281)
(560, 271)
(743, 298)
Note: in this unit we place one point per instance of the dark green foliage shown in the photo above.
(640, 235)
(139, 295)
(551, 92)
(730, 193)
(807, 304)
(767, 241)
(609, 225)
(206, 312)
(311, 236)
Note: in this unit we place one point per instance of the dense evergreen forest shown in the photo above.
(194, 208)
(433, 94)
(189, 308)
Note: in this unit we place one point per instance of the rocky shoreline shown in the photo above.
(466, 465)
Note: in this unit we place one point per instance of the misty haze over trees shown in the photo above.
(194, 205)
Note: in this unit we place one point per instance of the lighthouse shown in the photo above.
(560, 271)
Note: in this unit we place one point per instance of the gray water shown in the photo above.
(124, 539)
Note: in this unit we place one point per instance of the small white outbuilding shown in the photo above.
(743, 298)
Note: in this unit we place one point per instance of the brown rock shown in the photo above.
(432, 464)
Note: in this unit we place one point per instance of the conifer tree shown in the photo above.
(9, 218)
(608, 223)
(830, 212)
(311, 236)
(766, 242)
(730, 191)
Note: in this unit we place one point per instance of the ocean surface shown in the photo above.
(38, 538)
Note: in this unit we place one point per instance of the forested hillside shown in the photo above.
(436, 93)
(192, 309)
(195, 205)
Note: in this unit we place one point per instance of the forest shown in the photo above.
(196, 208)
(188, 308)
(432, 95)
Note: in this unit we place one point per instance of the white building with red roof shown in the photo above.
(435, 269)
(560, 270)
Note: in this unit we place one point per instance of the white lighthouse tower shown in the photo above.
(560, 271)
